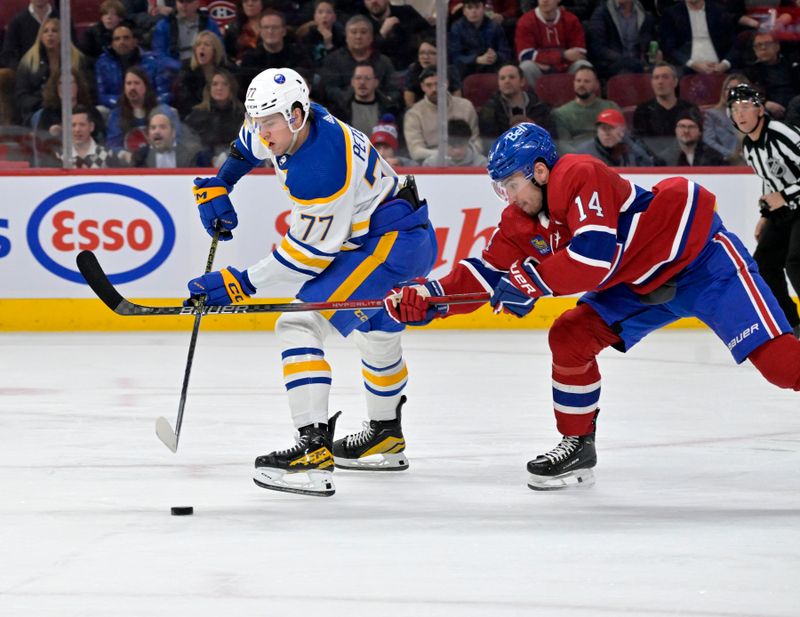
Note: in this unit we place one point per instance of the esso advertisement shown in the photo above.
(131, 232)
(147, 236)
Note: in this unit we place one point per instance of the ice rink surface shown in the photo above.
(696, 510)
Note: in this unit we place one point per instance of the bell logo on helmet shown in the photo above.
(279, 78)
(515, 134)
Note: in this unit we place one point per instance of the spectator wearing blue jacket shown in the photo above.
(174, 34)
(477, 44)
(123, 54)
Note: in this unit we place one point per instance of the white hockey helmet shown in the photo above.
(276, 91)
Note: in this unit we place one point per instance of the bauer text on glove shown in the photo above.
(518, 291)
(214, 204)
(227, 286)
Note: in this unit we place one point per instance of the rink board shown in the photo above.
(144, 228)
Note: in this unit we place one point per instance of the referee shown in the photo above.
(772, 149)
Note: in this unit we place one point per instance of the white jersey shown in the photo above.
(335, 181)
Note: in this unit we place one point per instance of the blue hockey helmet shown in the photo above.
(518, 149)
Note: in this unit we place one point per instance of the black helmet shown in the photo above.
(745, 92)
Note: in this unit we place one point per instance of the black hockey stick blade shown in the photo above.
(93, 273)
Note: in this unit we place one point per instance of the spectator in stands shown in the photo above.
(773, 73)
(460, 151)
(513, 98)
(718, 129)
(36, 65)
(338, 65)
(99, 36)
(692, 152)
(322, 35)
(387, 143)
(49, 117)
(549, 39)
(426, 56)
(124, 53)
(243, 33)
(477, 44)
(125, 128)
(504, 13)
(363, 104)
(697, 35)
(275, 50)
(575, 121)
(218, 116)
(396, 28)
(163, 150)
(421, 127)
(619, 36)
(174, 33)
(613, 145)
(23, 29)
(207, 56)
(658, 116)
(86, 152)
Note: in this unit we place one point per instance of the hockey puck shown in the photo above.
(181, 510)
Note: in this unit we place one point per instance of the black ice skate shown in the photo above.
(379, 446)
(306, 468)
(568, 465)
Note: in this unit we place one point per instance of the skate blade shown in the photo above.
(314, 483)
(374, 462)
(582, 478)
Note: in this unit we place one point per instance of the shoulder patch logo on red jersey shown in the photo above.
(541, 245)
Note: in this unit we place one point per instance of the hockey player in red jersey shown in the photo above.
(646, 259)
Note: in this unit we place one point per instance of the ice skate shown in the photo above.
(568, 465)
(379, 446)
(306, 468)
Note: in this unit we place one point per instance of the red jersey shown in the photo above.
(545, 43)
(602, 230)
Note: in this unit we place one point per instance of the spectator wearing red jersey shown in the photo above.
(549, 39)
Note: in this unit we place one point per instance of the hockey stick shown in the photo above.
(164, 431)
(93, 273)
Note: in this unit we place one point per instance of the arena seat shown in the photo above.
(701, 89)
(555, 89)
(629, 89)
(479, 88)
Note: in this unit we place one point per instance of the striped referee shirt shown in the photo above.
(775, 157)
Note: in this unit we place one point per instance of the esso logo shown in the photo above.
(131, 232)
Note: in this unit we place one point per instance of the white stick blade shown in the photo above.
(166, 434)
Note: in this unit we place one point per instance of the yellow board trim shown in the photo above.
(295, 254)
(386, 380)
(91, 315)
(303, 367)
(348, 148)
(364, 269)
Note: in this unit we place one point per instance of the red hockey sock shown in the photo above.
(778, 360)
(575, 340)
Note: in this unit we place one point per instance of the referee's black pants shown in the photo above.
(778, 250)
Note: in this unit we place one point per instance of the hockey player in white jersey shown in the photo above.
(357, 230)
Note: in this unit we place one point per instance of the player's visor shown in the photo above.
(510, 185)
(273, 122)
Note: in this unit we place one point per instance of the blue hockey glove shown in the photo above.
(213, 203)
(410, 305)
(517, 292)
(227, 286)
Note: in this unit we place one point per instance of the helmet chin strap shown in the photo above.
(296, 134)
